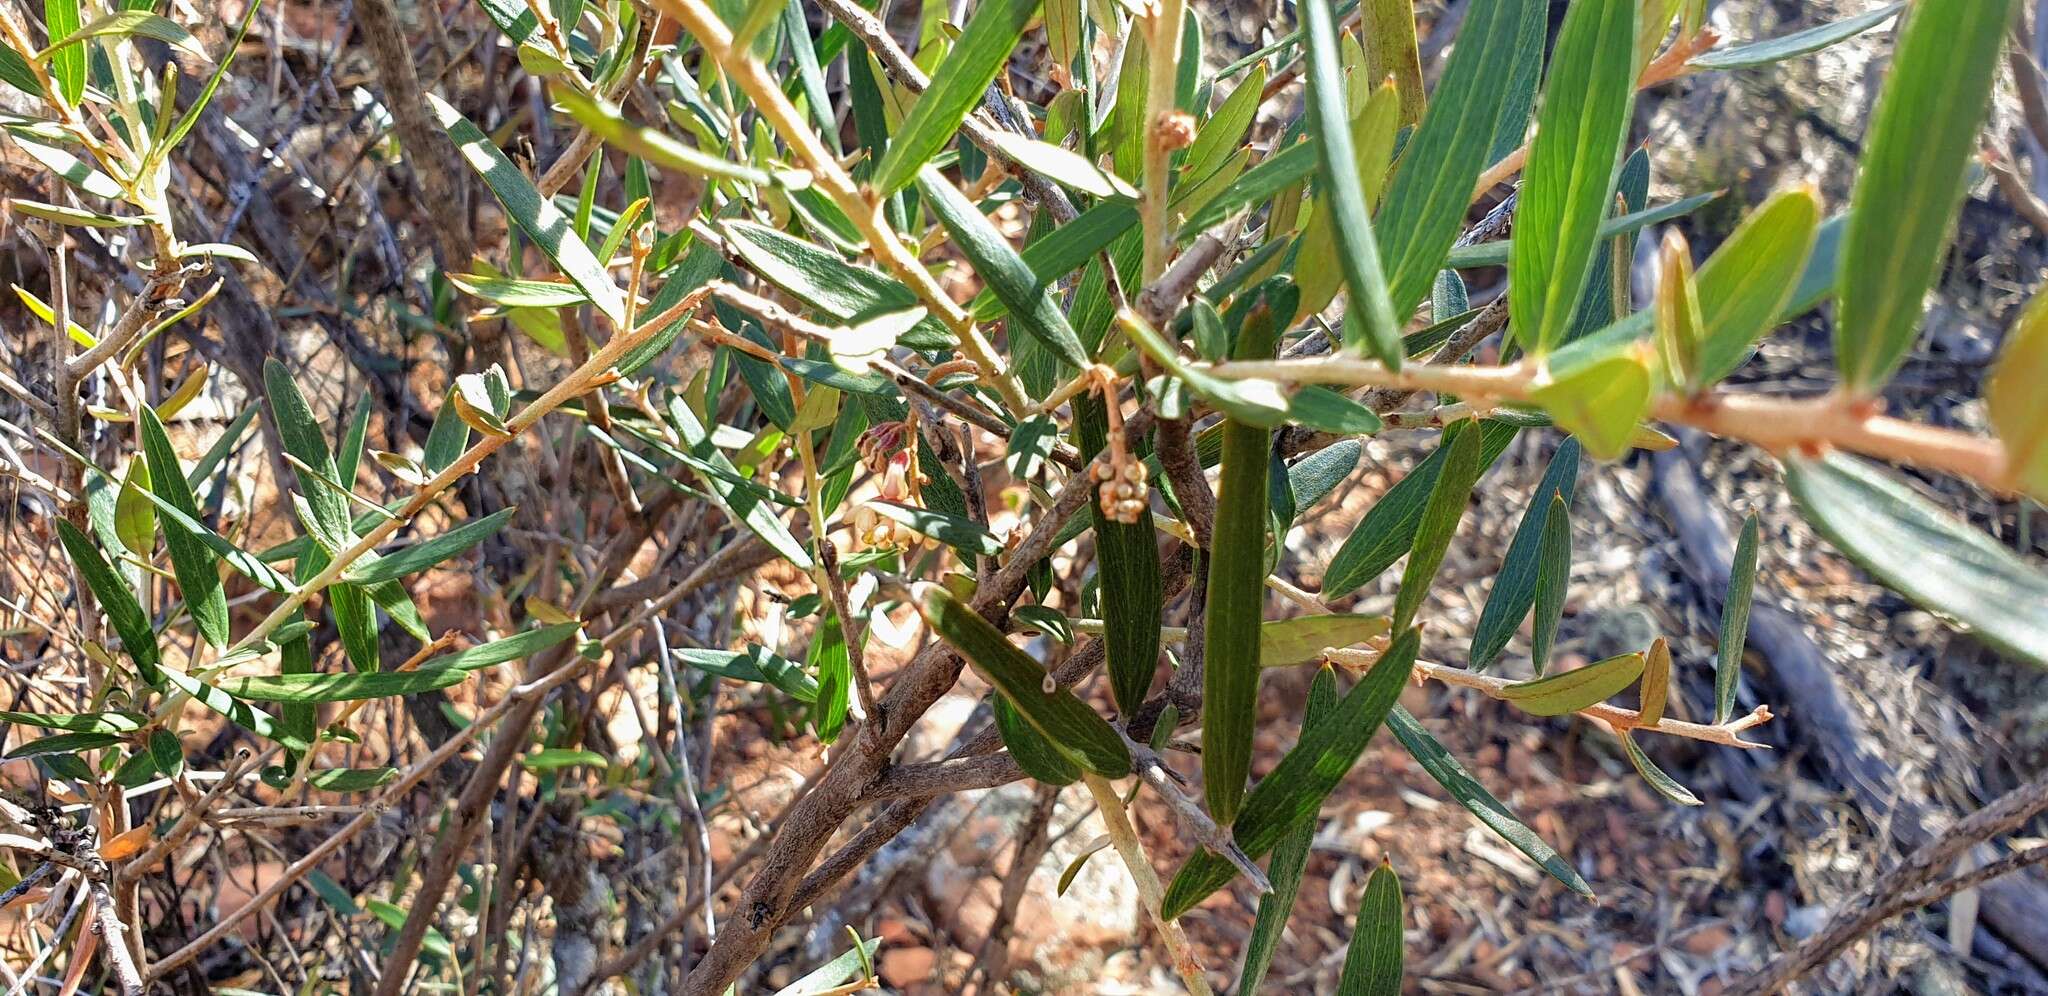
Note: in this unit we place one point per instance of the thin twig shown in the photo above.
(1125, 839)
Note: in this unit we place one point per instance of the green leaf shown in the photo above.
(1369, 320)
(513, 292)
(192, 560)
(116, 600)
(1565, 186)
(1388, 529)
(1290, 859)
(304, 440)
(963, 535)
(1297, 786)
(393, 917)
(1068, 169)
(1600, 401)
(1031, 444)
(1915, 169)
(1571, 691)
(134, 518)
(557, 758)
(124, 23)
(1286, 642)
(608, 122)
(67, 65)
(1665, 785)
(1031, 306)
(1029, 748)
(1220, 136)
(833, 975)
(1051, 622)
(340, 686)
(1127, 555)
(1553, 576)
(740, 504)
(1372, 961)
(78, 217)
(79, 722)
(756, 664)
(1257, 403)
(981, 51)
(1236, 600)
(64, 743)
(1432, 187)
(1313, 477)
(2015, 403)
(1735, 621)
(74, 170)
(1745, 286)
(1440, 517)
(834, 667)
(1325, 410)
(432, 552)
(1924, 553)
(237, 712)
(1514, 588)
(1764, 52)
(511, 648)
(167, 752)
(16, 72)
(1273, 174)
(350, 779)
(537, 217)
(820, 278)
(1064, 250)
(1065, 721)
(1469, 793)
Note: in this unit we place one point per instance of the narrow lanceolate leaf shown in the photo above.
(431, 552)
(1252, 402)
(236, 711)
(741, 504)
(1029, 300)
(194, 563)
(129, 23)
(1482, 804)
(535, 215)
(608, 122)
(1274, 174)
(1502, 253)
(1915, 169)
(820, 278)
(1297, 786)
(1029, 748)
(116, 600)
(1805, 42)
(1553, 577)
(832, 664)
(1392, 52)
(1286, 642)
(1656, 681)
(1665, 785)
(1571, 691)
(1064, 250)
(64, 743)
(1065, 721)
(1290, 859)
(1926, 554)
(1128, 573)
(1677, 314)
(1369, 321)
(307, 442)
(1571, 167)
(79, 722)
(961, 534)
(340, 687)
(66, 65)
(756, 664)
(1236, 595)
(1735, 621)
(1443, 158)
(1388, 529)
(1439, 522)
(1372, 962)
(981, 51)
(2017, 405)
(1745, 286)
(1220, 136)
(1514, 588)
(511, 648)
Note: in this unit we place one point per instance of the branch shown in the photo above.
(1728, 734)
(1118, 823)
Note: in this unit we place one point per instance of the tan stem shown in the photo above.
(1118, 823)
(1162, 42)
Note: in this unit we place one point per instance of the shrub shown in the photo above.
(1228, 279)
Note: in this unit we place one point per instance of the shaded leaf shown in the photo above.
(1469, 793)
(1665, 785)
(1388, 529)
(1372, 961)
(1290, 860)
(1031, 306)
(1514, 588)
(116, 600)
(757, 664)
(431, 552)
(1440, 518)
(1030, 749)
(1735, 621)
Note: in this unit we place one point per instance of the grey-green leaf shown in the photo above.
(1029, 301)
(1388, 529)
(1665, 785)
(1735, 621)
(1766, 51)
(981, 51)
(1290, 860)
(1932, 558)
(1372, 961)
(1915, 168)
(1514, 588)
(192, 560)
(1369, 320)
(1553, 577)
(1067, 722)
(115, 599)
(1565, 186)
(431, 552)
(1440, 517)
(340, 686)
